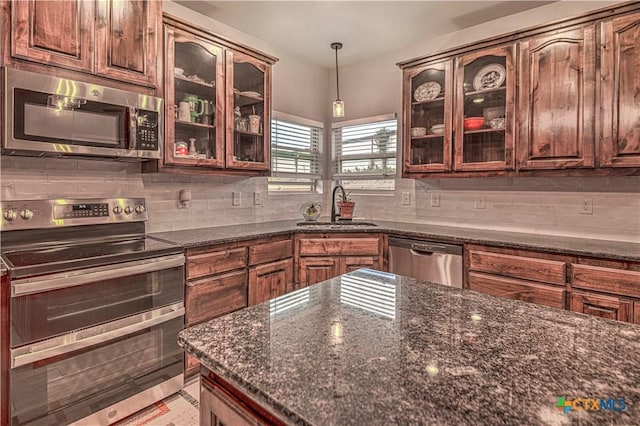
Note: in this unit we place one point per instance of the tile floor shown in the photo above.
(181, 409)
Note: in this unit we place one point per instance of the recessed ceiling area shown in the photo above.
(366, 28)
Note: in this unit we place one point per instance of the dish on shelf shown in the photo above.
(418, 131)
(178, 71)
(492, 112)
(427, 91)
(437, 129)
(250, 94)
(489, 77)
(196, 78)
(473, 123)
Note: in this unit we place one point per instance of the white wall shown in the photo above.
(536, 205)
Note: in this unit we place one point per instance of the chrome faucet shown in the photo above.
(333, 202)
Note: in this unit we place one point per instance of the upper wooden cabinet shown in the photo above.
(545, 82)
(557, 100)
(427, 95)
(486, 91)
(54, 32)
(620, 83)
(127, 40)
(113, 39)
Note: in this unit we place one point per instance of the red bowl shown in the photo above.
(473, 123)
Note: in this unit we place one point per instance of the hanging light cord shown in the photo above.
(337, 80)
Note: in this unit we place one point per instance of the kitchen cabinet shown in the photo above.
(485, 89)
(557, 100)
(248, 112)
(427, 102)
(227, 277)
(604, 306)
(620, 50)
(636, 312)
(323, 256)
(517, 274)
(194, 95)
(113, 39)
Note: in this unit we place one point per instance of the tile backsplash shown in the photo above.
(534, 205)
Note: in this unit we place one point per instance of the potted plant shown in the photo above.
(346, 206)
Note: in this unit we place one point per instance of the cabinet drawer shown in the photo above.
(339, 246)
(214, 296)
(510, 288)
(602, 306)
(617, 281)
(270, 252)
(549, 271)
(214, 262)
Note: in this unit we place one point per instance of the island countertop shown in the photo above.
(375, 348)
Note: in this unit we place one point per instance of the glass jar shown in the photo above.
(182, 149)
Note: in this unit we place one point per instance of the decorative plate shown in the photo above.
(489, 77)
(427, 91)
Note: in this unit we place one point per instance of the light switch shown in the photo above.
(406, 198)
(236, 199)
(257, 198)
(435, 200)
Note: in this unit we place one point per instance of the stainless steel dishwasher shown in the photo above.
(426, 260)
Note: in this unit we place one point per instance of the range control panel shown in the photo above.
(33, 214)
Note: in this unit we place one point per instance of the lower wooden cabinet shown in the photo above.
(511, 288)
(218, 408)
(270, 280)
(313, 270)
(636, 312)
(214, 296)
(604, 306)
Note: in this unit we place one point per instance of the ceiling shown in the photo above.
(366, 28)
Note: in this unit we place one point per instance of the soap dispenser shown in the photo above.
(192, 148)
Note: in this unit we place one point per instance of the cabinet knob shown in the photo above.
(10, 215)
(128, 210)
(26, 214)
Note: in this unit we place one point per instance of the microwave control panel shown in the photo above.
(147, 129)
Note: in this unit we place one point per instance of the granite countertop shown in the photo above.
(376, 348)
(201, 237)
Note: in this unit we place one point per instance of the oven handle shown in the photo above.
(133, 125)
(93, 336)
(75, 278)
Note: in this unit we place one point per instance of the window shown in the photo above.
(364, 153)
(295, 154)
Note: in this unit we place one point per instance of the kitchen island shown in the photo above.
(375, 348)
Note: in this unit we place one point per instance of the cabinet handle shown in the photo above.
(607, 310)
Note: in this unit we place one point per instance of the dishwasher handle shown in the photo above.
(425, 247)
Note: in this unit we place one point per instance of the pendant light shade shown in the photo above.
(338, 105)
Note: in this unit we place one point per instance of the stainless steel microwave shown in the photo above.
(51, 116)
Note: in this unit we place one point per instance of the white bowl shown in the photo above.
(178, 71)
(437, 129)
(418, 131)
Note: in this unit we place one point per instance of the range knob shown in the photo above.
(10, 215)
(128, 210)
(117, 210)
(26, 214)
(140, 209)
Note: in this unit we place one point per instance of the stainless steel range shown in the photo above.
(93, 308)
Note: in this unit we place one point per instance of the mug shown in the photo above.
(184, 111)
(254, 123)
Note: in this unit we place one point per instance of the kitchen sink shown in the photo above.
(336, 225)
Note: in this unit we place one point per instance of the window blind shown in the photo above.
(295, 153)
(365, 149)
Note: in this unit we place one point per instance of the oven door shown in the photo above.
(56, 304)
(93, 374)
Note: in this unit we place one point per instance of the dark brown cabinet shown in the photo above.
(511, 288)
(270, 280)
(557, 100)
(620, 143)
(323, 256)
(113, 39)
(604, 306)
(57, 33)
(486, 91)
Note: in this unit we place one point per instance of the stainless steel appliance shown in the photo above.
(426, 260)
(52, 116)
(94, 310)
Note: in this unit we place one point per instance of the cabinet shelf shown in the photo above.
(189, 81)
(426, 137)
(487, 91)
(473, 132)
(241, 100)
(430, 101)
(242, 132)
(189, 123)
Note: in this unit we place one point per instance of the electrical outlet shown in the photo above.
(236, 199)
(586, 207)
(257, 198)
(435, 200)
(480, 204)
(406, 198)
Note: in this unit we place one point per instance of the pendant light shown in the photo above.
(338, 105)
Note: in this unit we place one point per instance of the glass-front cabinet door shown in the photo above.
(248, 112)
(484, 110)
(194, 93)
(427, 108)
